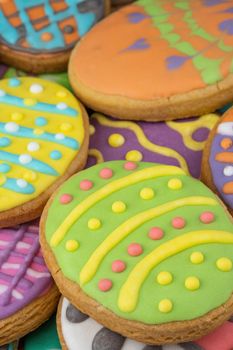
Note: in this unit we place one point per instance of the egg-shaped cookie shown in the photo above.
(43, 140)
(156, 60)
(217, 162)
(141, 247)
(38, 36)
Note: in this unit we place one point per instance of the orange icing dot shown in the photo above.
(226, 143)
(46, 36)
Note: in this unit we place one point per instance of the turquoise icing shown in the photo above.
(4, 168)
(11, 184)
(34, 164)
(55, 155)
(14, 82)
(41, 121)
(28, 133)
(4, 141)
(84, 20)
(39, 106)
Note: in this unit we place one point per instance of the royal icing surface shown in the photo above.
(157, 48)
(165, 277)
(47, 26)
(81, 332)
(44, 338)
(41, 131)
(177, 143)
(221, 158)
(23, 273)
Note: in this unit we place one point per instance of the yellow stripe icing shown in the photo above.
(114, 186)
(129, 293)
(143, 140)
(187, 129)
(125, 229)
(93, 152)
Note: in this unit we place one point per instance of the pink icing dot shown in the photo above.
(66, 198)
(118, 266)
(130, 166)
(86, 185)
(156, 233)
(207, 217)
(106, 173)
(178, 222)
(135, 249)
(105, 285)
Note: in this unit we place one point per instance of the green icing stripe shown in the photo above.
(204, 65)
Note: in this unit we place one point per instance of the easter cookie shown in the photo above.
(177, 143)
(44, 338)
(217, 163)
(43, 140)
(156, 60)
(39, 36)
(78, 331)
(28, 295)
(138, 247)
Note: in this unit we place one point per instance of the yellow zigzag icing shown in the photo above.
(94, 152)
(143, 140)
(129, 293)
(114, 186)
(126, 228)
(187, 129)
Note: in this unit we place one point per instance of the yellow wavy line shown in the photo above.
(114, 186)
(187, 129)
(129, 226)
(129, 293)
(142, 139)
(93, 152)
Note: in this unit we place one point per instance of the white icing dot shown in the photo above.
(25, 158)
(228, 170)
(11, 127)
(33, 146)
(2, 93)
(61, 105)
(36, 88)
(21, 183)
(59, 136)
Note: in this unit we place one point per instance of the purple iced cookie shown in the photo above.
(174, 143)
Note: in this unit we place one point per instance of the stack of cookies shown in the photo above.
(116, 175)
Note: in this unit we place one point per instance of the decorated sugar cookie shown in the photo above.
(139, 247)
(217, 165)
(174, 142)
(44, 338)
(10, 72)
(28, 295)
(43, 140)
(157, 59)
(78, 331)
(38, 36)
